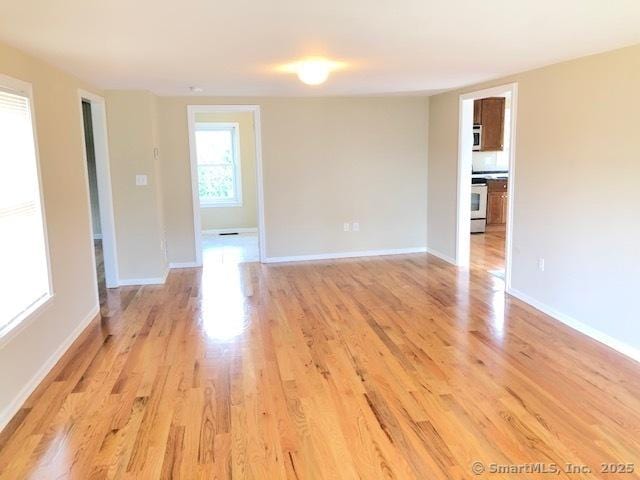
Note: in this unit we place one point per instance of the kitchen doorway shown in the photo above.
(486, 179)
(98, 181)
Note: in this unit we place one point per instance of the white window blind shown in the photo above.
(24, 270)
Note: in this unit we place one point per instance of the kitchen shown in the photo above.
(489, 179)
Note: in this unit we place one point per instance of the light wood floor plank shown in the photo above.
(400, 367)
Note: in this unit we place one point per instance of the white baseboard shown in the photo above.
(15, 405)
(183, 265)
(218, 231)
(589, 331)
(126, 282)
(329, 256)
(442, 256)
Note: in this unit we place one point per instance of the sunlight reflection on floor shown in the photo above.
(225, 309)
(231, 249)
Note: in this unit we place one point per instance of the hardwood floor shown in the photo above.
(487, 250)
(102, 284)
(385, 367)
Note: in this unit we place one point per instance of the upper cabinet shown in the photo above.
(477, 112)
(489, 112)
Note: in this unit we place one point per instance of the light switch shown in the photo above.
(141, 180)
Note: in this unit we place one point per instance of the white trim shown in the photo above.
(581, 327)
(442, 256)
(465, 126)
(11, 330)
(262, 226)
(232, 204)
(20, 87)
(216, 126)
(183, 265)
(105, 196)
(463, 187)
(127, 282)
(511, 188)
(17, 85)
(17, 402)
(218, 231)
(330, 256)
(195, 200)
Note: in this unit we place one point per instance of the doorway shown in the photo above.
(486, 179)
(226, 171)
(98, 181)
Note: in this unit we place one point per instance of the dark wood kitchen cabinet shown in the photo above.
(477, 112)
(489, 112)
(497, 202)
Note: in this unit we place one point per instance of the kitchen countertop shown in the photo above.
(491, 176)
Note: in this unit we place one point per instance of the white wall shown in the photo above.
(576, 187)
(27, 353)
(138, 210)
(326, 161)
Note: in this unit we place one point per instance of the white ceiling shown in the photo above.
(232, 47)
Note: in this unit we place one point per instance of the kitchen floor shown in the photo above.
(230, 249)
(487, 251)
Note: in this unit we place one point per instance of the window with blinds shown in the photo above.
(24, 266)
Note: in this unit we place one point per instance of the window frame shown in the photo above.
(17, 324)
(234, 128)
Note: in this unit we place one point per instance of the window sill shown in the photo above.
(221, 205)
(11, 330)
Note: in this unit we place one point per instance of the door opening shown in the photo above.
(98, 182)
(486, 179)
(226, 174)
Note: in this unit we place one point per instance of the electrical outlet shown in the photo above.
(141, 180)
(355, 227)
(346, 226)
(541, 264)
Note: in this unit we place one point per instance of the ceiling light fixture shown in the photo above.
(312, 71)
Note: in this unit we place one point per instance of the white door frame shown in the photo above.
(105, 196)
(197, 222)
(465, 145)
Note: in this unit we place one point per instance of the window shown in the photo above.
(219, 182)
(24, 271)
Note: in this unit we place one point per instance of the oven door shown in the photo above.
(478, 201)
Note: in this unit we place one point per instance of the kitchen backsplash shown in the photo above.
(490, 161)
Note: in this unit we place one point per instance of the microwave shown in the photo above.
(477, 138)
